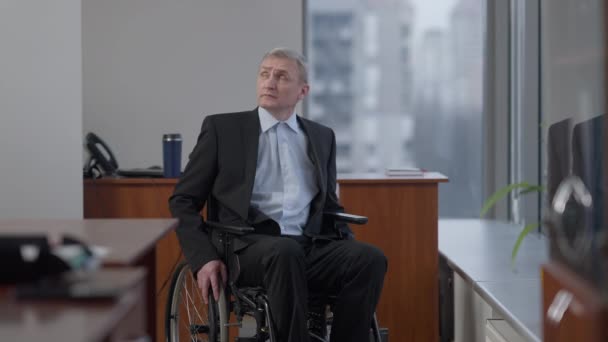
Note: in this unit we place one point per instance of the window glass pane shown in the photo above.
(574, 85)
(400, 82)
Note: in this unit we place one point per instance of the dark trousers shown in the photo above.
(291, 268)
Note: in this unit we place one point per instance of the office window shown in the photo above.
(401, 84)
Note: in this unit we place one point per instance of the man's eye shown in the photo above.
(283, 77)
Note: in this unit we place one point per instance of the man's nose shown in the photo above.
(270, 82)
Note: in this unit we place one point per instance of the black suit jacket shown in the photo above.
(221, 171)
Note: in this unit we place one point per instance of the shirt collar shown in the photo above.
(267, 121)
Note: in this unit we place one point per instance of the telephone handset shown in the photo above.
(101, 156)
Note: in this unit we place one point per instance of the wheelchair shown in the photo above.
(188, 318)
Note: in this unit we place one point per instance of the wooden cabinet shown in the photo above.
(127, 197)
(403, 218)
(139, 198)
(573, 310)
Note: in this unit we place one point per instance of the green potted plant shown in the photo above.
(520, 189)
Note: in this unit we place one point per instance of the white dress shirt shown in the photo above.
(284, 182)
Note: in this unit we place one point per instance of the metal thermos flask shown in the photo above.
(172, 155)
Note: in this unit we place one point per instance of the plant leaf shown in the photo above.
(531, 188)
(499, 194)
(525, 231)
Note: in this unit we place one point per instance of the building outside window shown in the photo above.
(401, 84)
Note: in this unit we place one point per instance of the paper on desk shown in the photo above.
(404, 171)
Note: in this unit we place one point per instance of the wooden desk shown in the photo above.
(403, 216)
(119, 319)
(139, 198)
(127, 197)
(131, 242)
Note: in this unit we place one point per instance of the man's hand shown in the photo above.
(211, 274)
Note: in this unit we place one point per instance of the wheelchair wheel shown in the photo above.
(187, 317)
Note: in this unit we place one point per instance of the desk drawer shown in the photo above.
(498, 330)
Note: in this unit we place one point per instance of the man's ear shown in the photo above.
(304, 91)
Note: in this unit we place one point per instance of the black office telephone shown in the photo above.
(102, 160)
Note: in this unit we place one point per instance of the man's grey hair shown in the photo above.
(291, 55)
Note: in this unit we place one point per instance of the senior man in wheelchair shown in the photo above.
(272, 170)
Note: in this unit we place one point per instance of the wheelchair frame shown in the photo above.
(250, 301)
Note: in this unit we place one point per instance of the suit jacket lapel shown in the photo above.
(250, 130)
(314, 157)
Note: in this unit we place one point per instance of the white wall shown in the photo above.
(40, 109)
(157, 66)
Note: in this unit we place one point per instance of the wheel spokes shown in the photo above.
(189, 316)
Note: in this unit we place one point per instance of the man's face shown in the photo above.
(279, 86)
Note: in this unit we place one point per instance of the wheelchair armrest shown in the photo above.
(347, 218)
(235, 230)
